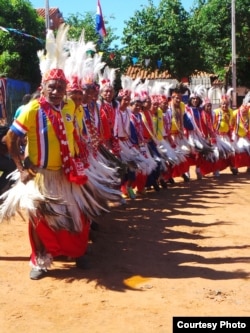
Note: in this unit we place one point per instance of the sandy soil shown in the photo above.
(183, 251)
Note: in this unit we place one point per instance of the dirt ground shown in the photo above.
(183, 251)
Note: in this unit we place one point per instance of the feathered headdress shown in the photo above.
(91, 69)
(199, 91)
(167, 88)
(226, 95)
(246, 99)
(52, 59)
(161, 91)
(126, 83)
(135, 91)
(107, 77)
(143, 90)
(78, 64)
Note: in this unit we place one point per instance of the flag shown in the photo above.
(100, 27)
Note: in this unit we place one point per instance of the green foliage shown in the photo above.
(160, 33)
(183, 42)
(210, 26)
(79, 23)
(8, 62)
(85, 24)
(18, 58)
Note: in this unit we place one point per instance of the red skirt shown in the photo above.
(61, 242)
(180, 169)
(242, 160)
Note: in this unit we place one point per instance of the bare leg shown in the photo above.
(37, 243)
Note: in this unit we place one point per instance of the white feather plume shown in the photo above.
(98, 64)
(108, 75)
(126, 82)
(55, 53)
(200, 91)
(246, 99)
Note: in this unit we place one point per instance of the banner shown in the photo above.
(134, 60)
(21, 33)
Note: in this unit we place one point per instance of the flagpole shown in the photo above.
(234, 84)
(47, 20)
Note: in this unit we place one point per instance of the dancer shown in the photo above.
(177, 136)
(223, 125)
(52, 184)
(241, 134)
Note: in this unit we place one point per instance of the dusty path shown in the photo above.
(184, 251)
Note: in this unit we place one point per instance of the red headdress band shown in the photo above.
(54, 74)
(163, 98)
(74, 85)
(123, 93)
(155, 99)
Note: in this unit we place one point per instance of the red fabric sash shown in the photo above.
(73, 169)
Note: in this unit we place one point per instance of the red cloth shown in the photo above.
(223, 163)
(192, 159)
(140, 181)
(207, 167)
(107, 116)
(242, 160)
(61, 242)
(180, 169)
(150, 126)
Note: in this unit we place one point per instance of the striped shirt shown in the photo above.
(43, 144)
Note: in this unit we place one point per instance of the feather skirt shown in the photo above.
(51, 196)
(130, 154)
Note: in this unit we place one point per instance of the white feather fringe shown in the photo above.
(59, 202)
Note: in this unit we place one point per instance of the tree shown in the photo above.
(160, 33)
(210, 24)
(171, 38)
(111, 54)
(18, 52)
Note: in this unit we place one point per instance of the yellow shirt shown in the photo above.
(177, 124)
(241, 123)
(44, 146)
(158, 124)
(223, 120)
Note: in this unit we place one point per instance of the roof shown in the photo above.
(137, 71)
(52, 11)
(197, 73)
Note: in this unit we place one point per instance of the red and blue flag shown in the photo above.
(100, 26)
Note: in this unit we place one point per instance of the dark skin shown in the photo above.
(76, 96)
(25, 174)
(12, 140)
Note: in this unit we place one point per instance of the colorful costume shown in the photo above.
(223, 127)
(241, 135)
(176, 134)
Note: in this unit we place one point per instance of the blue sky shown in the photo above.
(116, 12)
